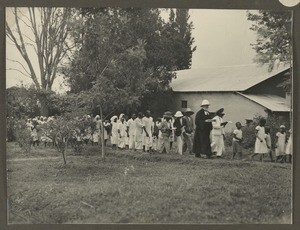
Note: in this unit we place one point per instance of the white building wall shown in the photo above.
(236, 107)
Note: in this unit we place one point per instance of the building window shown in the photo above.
(184, 104)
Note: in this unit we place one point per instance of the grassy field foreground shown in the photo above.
(128, 187)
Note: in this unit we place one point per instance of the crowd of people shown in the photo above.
(140, 132)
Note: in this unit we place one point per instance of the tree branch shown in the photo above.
(25, 74)
(19, 64)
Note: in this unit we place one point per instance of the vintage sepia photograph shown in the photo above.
(149, 115)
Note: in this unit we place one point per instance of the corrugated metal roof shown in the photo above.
(228, 78)
(271, 102)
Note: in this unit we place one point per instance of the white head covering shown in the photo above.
(121, 115)
(205, 102)
(113, 118)
(178, 114)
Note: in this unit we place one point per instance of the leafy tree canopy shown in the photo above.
(274, 35)
(126, 56)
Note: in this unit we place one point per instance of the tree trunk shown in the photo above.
(44, 107)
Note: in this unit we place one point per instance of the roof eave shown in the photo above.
(278, 111)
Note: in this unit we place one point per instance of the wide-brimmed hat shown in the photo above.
(178, 114)
(168, 114)
(205, 102)
(189, 111)
(220, 112)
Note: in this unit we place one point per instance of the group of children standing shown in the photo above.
(263, 143)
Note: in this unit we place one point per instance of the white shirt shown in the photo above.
(238, 133)
(132, 126)
(217, 128)
(122, 127)
(148, 123)
(138, 126)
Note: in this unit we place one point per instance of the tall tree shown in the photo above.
(49, 28)
(129, 50)
(274, 35)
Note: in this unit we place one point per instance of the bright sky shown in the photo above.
(222, 38)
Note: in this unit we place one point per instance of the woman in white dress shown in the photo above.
(139, 129)
(280, 143)
(114, 132)
(122, 132)
(260, 142)
(218, 133)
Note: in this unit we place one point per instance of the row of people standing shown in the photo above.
(143, 133)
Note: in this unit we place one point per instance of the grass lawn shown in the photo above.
(128, 187)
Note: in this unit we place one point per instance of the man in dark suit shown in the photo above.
(202, 134)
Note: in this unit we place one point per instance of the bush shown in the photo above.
(23, 135)
(10, 129)
(249, 135)
(228, 139)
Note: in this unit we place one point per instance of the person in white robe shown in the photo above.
(131, 131)
(140, 128)
(122, 131)
(147, 134)
(218, 133)
(114, 132)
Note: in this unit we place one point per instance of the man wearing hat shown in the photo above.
(201, 143)
(178, 125)
(188, 124)
(166, 129)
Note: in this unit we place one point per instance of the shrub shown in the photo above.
(228, 139)
(10, 129)
(23, 135)
(249, 135)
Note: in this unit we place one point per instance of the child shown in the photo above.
(237, 139)
(107, 129)
(280, 143)
(34, 134)
(95, 138)
(289, 145)
(260, 142)
(269, 142)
